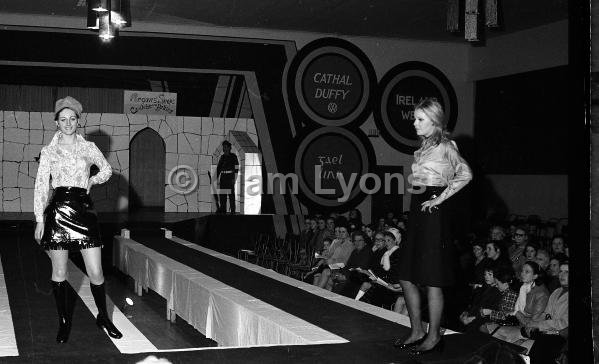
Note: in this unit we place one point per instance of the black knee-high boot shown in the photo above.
(60, 290)
(102, 320)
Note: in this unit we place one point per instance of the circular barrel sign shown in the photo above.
(402, 88)
(331, 80)
(329, 163)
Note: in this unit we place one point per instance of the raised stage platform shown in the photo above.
(358, 332)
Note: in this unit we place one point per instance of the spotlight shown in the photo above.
(128, 308)
(99, 5)
(107, 28)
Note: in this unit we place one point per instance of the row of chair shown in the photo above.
(289, 255)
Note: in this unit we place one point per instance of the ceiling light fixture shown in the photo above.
(108, 16)
(472, 17)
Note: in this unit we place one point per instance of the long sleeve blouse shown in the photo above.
(556, 313)
(441, 165)
(67, 168)
(506, 305)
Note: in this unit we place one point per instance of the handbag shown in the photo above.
(508, 321)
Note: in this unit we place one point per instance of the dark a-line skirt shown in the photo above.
(70, 221)
(427, 255)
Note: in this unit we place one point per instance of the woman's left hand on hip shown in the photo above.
(431, 205)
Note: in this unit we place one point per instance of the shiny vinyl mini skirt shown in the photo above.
(70, 221)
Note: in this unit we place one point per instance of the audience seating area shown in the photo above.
(495, 257)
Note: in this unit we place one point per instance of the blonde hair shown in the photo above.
(434, 110)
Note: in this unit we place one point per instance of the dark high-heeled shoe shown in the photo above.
(399, 343)
(437, 348)
(105, 324)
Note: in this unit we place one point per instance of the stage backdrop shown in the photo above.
(188, 141)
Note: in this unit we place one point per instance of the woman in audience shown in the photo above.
(530, 252)
(428, 255)
(552, 278)
(558, 245)
(542, 259)
(476, 274)
(355, 219)
(495, 256)
(550, 332)
(488, 296)
(369, 231)
(386, 283)
(505, 282)
(340, 251)
(378, 249)
(347, 280)
(530, 304)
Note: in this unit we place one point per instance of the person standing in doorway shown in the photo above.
(226, 171)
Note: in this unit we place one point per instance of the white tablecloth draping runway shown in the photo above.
(220, 312)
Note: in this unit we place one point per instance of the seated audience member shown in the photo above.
(307, 233)
(548, 335)
(516, 251)
(347, 279)
(488, 296)
(552, 278)
(558, 245)
(497, 233)
(321, 257)
(341, 250)
(316, 241)
(530, 305)
(530, 252)
(380, 226)
(476, 267)
(369, 231)
(542, 259)
(385, 287)
(378, 249)
(401, 224)
(495, 256)
(330, 230)
(355, 219)
(505, 282)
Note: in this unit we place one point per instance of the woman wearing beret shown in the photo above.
(426, 259)
(68, 221)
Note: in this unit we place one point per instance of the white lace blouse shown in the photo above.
(68, 168)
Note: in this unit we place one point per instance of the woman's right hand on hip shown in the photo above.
(39, 231)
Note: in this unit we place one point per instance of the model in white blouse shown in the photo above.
(69, 165)
(67, 159)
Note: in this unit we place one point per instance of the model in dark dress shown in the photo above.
(427, 257)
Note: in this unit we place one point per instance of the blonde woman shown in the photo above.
(426, 258)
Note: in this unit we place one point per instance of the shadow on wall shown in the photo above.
(484, 203)
(113, 195)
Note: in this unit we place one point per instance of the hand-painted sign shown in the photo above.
(147, 102)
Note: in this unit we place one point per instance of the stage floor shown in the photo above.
(26, 271)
